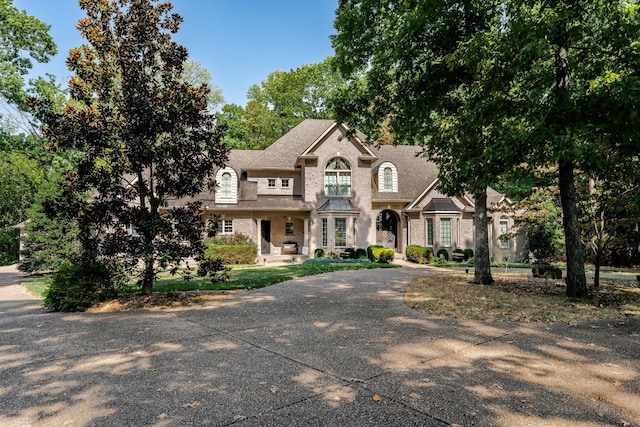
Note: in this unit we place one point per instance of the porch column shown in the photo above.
(258, 236)
(305, 239)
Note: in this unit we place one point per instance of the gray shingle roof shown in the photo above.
(441, 205)
(415, 174)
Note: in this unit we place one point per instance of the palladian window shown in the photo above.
(337, 178)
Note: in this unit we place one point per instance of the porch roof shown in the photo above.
(338, 205)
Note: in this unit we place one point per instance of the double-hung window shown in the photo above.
(340, 232)
(445, 232)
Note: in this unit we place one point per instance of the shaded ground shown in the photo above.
(334, 349)
(518, 298)
(160, 300)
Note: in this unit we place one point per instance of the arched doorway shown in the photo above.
(387, 229)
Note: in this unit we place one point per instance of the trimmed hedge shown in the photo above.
(419, 254)
(361, 253)
(232, 254)
(382, 255)
(468, 253)
(370, 251)
(443, 252)
(318, 253)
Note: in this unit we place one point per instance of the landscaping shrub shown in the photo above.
(232, 239)
(418, 254)
(78, 287)
(351, 252)
(438, 262)
(370, 251)
(382, 255)
(318, 253)
(468, 254)
(231, 253)
(443, 252)
(215, 268)
(361, 253)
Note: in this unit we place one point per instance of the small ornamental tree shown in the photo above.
(146, 137)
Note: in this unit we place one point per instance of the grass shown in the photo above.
(242, 277)
(519, 298)
(253, 276)
(37, 285)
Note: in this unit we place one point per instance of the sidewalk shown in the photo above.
(334, 349)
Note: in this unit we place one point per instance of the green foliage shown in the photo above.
(382, 255)
(232, 239)
(194, 73)
(324, 260)
(361, 253)
(370, 251)
(542, 222)
(146, 136)
(215, 269)
(351, 252)
(443, 253)
(78, 287)
(23, 38)
(419, 254)
(318, 253)
(8, 246)
(51, 237)
(231, 253)
(439, 262)
(468, 254)
(286, 98)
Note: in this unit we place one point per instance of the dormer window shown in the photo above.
(337, 178)
(388, 178)
(227, 191)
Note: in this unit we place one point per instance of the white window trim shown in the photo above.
(504, 244)
(232, 197)
(394, 178)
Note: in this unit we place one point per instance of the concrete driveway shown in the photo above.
(334, 349)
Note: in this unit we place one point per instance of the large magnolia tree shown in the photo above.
(145, 134)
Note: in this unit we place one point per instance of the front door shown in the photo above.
(387, 229)
(265, 232)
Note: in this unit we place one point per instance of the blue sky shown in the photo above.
(239, 41)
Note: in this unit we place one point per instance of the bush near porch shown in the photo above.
(235, 249)
(419, 254)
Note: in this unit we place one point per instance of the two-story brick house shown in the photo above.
(321, 189)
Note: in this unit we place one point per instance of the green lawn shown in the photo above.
(242, 277)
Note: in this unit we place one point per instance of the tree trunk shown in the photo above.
(148, 275)
(596, 276)
(482, 262)
(576, 277)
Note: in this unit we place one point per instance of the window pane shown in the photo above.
(429, 232)
(331, 183)
(285, 183)
(388, 179)
(341, 232)
(445, 232)
(225, 185)
(227, 226)
(288, 228)
(504, 229)
(345, 184)
(324, 232)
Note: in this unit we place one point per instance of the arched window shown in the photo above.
(337, 178)
(227, 191)
(225, 185)
(388, 177)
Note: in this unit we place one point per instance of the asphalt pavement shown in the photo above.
(337, 349)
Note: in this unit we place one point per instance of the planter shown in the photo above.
(289, 248)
